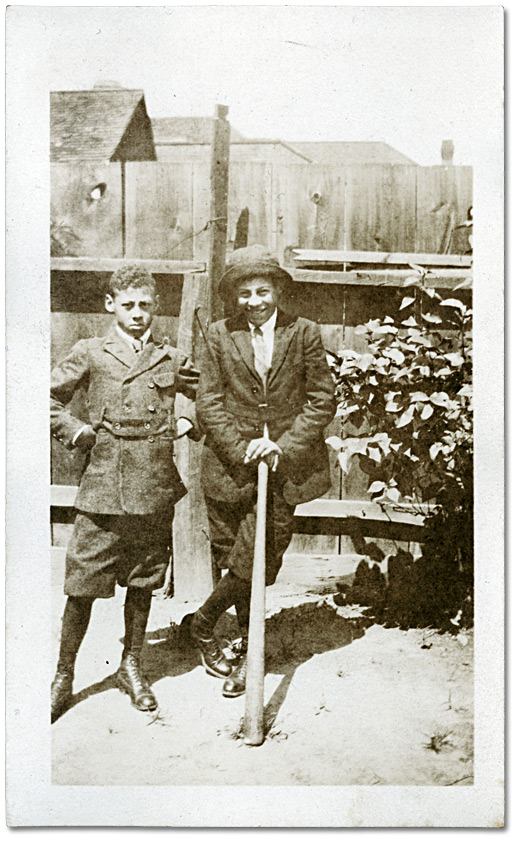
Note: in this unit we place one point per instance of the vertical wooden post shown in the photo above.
(192, 572)
(219, 183)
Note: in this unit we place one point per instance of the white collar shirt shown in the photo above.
(267, 330)
(130, 340)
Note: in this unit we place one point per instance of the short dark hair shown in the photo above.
(130, 275)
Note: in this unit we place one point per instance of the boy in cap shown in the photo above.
(122, 531)
(265, 392)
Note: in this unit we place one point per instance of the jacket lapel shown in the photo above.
(118, 348)
(151, 354)
(283, 334)
(241, 337)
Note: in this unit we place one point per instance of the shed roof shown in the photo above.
(89, 125)
(186, 130)
(352, 152)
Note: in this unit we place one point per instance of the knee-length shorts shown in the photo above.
(130, 550)
(232, 531)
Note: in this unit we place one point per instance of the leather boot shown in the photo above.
(61, 692)
(235, 685)
(131, 681)
(212, 656)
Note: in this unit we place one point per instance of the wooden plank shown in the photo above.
(368, 510)
(63, 496)
(201, 210)
(192, 567)
(95, 218)
(102, 264)
(444, 195)
(159, 210)
(441, 278)
(219, 187)
(250, 187)
(349, 257)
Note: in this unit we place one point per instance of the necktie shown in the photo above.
(261, 354)
(138, 346)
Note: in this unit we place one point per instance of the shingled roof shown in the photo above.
(91, 125)
(186, 130)
(351, 152)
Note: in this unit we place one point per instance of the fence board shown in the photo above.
(96, 222)
(250, 187)
(444, 195)
(159, 210)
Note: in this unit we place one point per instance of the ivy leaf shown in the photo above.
(411, 281)
(427, 411)
(392, 495)
(376, 487)
(430, 291)
(431, 317)
(419, 396)
(392, 407)
(365, 361)
(394, 354)
(455, 358)
(335, 442)
(406, 302)
(411, 321)
(346, 411)
(374, 454)
(406, 417)
(454, 303)
(373, 380)
(441, 399)
(410, 456)
(435, 449)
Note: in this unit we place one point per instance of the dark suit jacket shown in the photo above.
(131, 401)
(297, 405)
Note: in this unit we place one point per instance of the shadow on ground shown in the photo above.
(292, 636)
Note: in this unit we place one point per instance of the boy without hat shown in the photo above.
(265, 392)
(126, 498)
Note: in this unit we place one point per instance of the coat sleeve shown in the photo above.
(320, 408)
(66, 377)
(186, 383)
(213, 417)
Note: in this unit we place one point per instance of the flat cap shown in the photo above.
(251, 262)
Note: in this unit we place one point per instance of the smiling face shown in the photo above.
(257, 298)
(134, 309)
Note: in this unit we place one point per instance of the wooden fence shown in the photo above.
(160, 210)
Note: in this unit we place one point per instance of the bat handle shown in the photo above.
(254, 708)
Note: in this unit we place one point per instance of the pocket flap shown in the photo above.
(164, 379)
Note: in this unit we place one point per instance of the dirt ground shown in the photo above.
(348, 702)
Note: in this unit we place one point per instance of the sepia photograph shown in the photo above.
(255, 553)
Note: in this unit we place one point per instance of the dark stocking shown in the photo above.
(137, 611)
(74, 626)
(225, 594)
(242, 605)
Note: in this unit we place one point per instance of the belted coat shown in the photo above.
(130, 400)
(297, 404)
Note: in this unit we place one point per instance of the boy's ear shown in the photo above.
(109, 303)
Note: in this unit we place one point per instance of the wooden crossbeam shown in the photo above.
(388, 258)
(155, 266)
(438, 278)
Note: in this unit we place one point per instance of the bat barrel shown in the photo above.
(254, 709)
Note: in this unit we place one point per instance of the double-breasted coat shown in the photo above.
(297, 404)
(130, 401)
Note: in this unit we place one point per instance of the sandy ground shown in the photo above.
(348, 702)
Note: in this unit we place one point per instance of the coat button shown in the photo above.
(117, 426)
(151, 385)
(126, 408)
(147, 425)
(151, 409)
(150, 439)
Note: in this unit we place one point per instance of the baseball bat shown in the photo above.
(254, 709)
